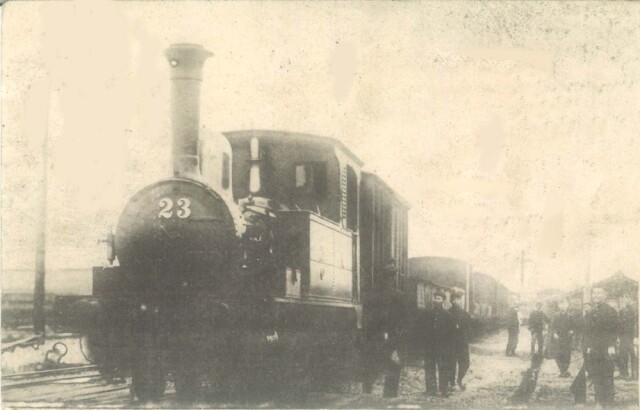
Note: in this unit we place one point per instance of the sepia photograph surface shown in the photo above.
(266, 204)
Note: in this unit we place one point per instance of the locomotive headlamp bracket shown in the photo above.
(110, 240)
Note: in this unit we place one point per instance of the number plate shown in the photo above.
(182, 208)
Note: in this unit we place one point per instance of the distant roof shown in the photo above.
(450, 272)
(547, 293)
(447, 272)
(617, 284)
(297, 136)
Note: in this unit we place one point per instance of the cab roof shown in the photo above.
(291, 136)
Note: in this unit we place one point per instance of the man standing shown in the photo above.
(437, 336)
(600, 335)
(537, 319)
(628, 335)
(460, 345)
(513, 327)
(562, 329)
(579, 386)
(394, 314)
(384, 323)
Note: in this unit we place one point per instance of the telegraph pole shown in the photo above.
(41, 230)
(38, 290)
(586, 295)
(522, 263)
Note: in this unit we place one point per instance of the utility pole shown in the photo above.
(523, 260)
(586, 295)
(41, 230)
(39, 290)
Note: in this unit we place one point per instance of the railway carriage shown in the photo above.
(488, 300)
(248, 265)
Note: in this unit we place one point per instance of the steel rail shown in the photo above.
(24, 383)
(47, 372)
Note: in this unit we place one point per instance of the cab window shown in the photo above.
(310, 178)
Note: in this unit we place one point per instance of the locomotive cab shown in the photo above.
(315, 183)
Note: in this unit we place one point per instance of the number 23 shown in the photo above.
(166, 208)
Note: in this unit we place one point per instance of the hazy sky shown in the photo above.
(507, 126)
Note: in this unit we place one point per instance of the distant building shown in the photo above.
(548, 293)
(618, 286)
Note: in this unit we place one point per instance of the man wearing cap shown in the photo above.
(513, 327)
(537, 320)
(628, 336)
(562, 329)
(460, 345)
(437, 336)
(601, 333)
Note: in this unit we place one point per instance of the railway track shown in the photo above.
(85, 387)
(79, 386)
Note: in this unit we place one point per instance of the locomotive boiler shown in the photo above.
(248, 267)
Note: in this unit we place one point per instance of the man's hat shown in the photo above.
(457, 293)
(440, 293)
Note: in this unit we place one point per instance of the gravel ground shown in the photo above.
(493, 378)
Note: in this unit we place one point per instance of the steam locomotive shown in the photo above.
(248, 266)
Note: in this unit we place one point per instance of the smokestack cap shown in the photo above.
(187, 60)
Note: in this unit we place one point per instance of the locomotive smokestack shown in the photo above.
(187, 61)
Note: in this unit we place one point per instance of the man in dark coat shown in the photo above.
(385, 319)
(460, 345)
(600, 336)
(537, 320)
(437, 336)
(628, 334)
(513, 327)
(579, 386)
(562, 329)
(394, 315)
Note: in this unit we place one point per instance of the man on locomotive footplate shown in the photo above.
(437, 337)
(460, 342)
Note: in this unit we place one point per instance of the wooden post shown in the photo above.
(39, 322)
(586, 293)
(39, 290)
